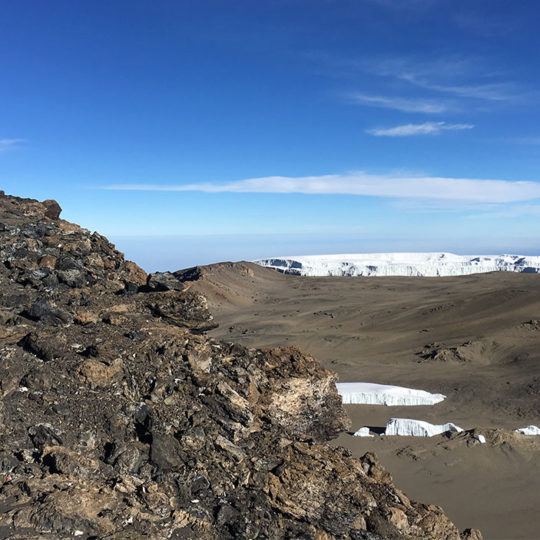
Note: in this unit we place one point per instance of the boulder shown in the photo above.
(164, 281)
(48, 313)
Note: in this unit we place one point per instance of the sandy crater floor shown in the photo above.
(475, 339)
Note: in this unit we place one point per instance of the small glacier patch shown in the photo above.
(529, 430)
(363, 432)
(383, 394)
(417, 428)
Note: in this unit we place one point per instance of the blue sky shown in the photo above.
(193, 132)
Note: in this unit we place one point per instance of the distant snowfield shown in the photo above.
(382, 394)
(401, 264)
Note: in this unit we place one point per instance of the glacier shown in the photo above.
(417, 428)
(529, 430)
(383, 394)
(363, 432)
(401, 264)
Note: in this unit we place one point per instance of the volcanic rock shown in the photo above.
(164, 281)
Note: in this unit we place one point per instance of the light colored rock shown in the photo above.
(98, 374)
(47, 261)
(399, 518)
(85, 316)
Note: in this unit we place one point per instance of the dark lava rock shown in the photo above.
(52, 209)
(190, 274)
(122, 420)
(44, 346)
(164, 281)
(49, 314)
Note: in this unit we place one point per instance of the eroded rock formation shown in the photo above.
(121, 419)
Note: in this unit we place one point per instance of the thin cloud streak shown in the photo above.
(489, 92)
(400, 104)
(463, 190)
(455, 76)
(486, 27)
(427, 128)
(512, 211)
(7, 144)
(405, 4)
(528, 140)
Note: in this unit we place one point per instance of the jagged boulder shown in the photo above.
(164, 281)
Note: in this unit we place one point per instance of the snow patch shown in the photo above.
(401, 264)
(417, 428)
(480, 438)
(363, 432)
(382, 394)
(529, 430)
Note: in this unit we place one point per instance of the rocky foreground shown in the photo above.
(121, 419)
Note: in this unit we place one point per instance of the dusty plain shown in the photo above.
(475, 339)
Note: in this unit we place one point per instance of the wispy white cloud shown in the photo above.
(493, 25)
(463, 190)
(427, 128)
(7, 144)
(511, 211)
(401, 104)
(404, 4)
(488, 91)
(528, 140)
(440, 68)
(457, 76)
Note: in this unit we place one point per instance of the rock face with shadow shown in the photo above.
(120, 419)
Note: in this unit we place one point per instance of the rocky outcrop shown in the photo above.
(120, 419)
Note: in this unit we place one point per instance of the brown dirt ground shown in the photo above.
(475, 339)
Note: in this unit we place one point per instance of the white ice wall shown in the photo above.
(382, 394)
(401, 264)
(417, 428)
